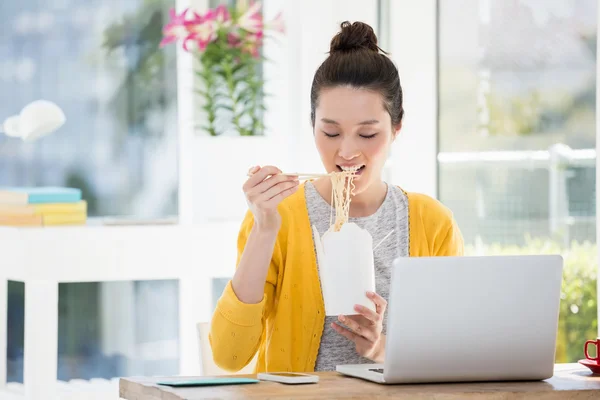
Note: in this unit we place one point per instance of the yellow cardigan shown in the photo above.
(286, 326)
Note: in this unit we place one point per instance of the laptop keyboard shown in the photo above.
(378, 370)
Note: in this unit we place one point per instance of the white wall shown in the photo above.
(312, 24)
(413, 42)
(187, 103)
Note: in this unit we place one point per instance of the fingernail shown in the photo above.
(253, 169)
(342, 318)
(370, 293)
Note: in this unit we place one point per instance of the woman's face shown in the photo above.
(353, 129)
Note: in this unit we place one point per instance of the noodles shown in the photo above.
(342, 187)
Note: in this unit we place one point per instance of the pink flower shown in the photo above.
(233, 39)
(253, 43)
(277, 23)
(218, 16)
(256, 36)
(222, 16)
(176, 28)
(242, 5)
(202, 30)
(251, 20)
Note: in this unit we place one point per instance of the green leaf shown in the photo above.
(248, 102)
(238, 68)
(226, 107)
(209, 108)
(211, 96)
(243, 94)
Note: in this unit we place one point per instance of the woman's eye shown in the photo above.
(369, 136)
(331, 135)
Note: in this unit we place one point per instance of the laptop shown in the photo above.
(469, 319)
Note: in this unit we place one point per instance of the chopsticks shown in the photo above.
(301, 175)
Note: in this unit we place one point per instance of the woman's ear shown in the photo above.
(397, 129)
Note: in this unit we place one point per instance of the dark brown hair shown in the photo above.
(355, 60)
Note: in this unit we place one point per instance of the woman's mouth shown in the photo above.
(358, 168)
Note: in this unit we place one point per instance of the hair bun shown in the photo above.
(355, 36)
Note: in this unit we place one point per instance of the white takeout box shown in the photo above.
(346, 268)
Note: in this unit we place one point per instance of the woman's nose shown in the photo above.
(348, 149)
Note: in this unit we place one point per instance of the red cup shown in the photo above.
(587, 354)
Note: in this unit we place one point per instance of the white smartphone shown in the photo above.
(291, 378)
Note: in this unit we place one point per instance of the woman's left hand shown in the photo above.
(365, 329)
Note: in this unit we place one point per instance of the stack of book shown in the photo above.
(42, 206)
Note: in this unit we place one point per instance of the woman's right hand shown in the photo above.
(264, 190)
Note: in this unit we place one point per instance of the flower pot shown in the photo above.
(220, 165)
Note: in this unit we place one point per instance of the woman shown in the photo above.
(274, 303)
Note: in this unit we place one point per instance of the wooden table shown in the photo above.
(570, 381)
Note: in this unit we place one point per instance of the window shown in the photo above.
(100, 61)
(105, 330)
(517, 139)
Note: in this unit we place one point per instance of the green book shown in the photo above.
(208, 382)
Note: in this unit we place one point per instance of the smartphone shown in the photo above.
(290, 378)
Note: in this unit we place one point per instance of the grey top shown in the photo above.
(335, 349)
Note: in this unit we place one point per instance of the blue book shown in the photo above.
(39, 195)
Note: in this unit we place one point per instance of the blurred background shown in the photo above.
(513, 145)
(517, 138)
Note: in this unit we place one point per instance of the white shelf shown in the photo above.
(44, 257)
(95, 389)
(105, 253)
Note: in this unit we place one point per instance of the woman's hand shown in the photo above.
(365, 329)
(264, 190)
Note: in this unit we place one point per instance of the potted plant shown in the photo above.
(226, 44)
